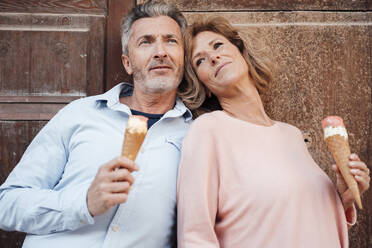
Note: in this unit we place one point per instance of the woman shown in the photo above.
(244, 179)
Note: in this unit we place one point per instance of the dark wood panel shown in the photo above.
(21, 111)
(51, 62)
(37, 99)
(96, 56)
(226, 5)
(51, 54)
(11, 239)
(54, 6)
(115, 71)
(14, 139)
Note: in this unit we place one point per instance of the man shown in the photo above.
(71, 188)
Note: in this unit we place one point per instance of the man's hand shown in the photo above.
(360, 172)
(111, 185)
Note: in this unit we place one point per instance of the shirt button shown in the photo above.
(83, 222)
(115, 228)
(142, 150)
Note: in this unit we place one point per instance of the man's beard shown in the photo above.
(157, 84)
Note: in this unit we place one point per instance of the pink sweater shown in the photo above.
(245, 185)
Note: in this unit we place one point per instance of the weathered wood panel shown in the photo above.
(239, 5)
(51, 62)
(51, 54)
(324, 66)
(14, 139)
(115, 71)
(35, 111)
(54, 6)
(46, 61)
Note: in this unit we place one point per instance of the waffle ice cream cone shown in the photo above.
(135, 133)
(335, 135)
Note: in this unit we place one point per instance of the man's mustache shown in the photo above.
(161, 63)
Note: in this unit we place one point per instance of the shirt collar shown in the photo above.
(112, 98)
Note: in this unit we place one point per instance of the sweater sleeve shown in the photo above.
(197, 193)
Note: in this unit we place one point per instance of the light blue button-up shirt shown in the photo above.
(45, 195)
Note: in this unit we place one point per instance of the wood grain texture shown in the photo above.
(323, 67)
(47, 59)
(51, 54)
(35, 111)
(37, 99)
(54, 6)
(115, 72)
(11, 239)
(249, 5)
(14, 139)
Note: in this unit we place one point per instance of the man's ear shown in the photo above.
(126, 63)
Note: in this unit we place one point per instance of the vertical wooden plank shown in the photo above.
(96, 55)
(115, 71)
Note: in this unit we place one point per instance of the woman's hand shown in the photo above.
(360, 172)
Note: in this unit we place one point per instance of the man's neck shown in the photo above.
(150, 103)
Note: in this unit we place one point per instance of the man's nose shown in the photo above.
(160, 51)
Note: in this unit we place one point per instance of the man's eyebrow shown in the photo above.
(146, 37)
(199, 53)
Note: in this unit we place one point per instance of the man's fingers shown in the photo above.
(119, 187)
(113, 199)
(121, 162)
(122, 175)
(118, 198)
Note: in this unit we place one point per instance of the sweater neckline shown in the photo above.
(247, 122)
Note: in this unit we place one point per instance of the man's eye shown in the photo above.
(217, 45)
(144, 42)
(199, 61)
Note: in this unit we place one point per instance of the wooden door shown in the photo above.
(52, 52)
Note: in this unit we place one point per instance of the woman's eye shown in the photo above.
(172, 41)
(217, 45)
(199, 61)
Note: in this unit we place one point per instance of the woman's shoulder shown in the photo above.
(289, 129)
(205, 120)
(204, 125)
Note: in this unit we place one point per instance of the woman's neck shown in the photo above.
(246, 104)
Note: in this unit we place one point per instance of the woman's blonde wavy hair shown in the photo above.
(193, 93)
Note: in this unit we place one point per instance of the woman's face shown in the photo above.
(218, 63)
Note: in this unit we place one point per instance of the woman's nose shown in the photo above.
(214, 58)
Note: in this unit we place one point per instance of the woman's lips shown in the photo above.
(220, 67)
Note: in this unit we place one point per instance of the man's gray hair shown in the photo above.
(149, 9)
